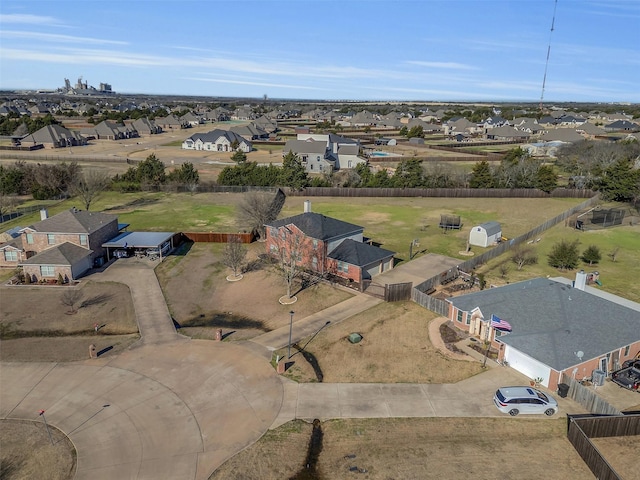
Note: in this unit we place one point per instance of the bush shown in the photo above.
(564, 255)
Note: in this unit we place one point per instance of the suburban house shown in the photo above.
(53, 136)
(144, 126)
(485, 234)
(557, 326)
(11, 251)
(66, 244)
(326, 245)
(325, 152)
(217, 140)
(250, 131)
(170, 122)
(107, 130)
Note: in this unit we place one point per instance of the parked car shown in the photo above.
(121, 253)
(515, 400)
(628, 376)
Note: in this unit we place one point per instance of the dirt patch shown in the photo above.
(21, 438)
(621, 453)
(424, 448)
(450, 336)
(201, 300)
(395, 348)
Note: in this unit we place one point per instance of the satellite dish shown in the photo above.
(580, 354)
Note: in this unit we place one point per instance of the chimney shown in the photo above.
(44, 214)
(307, 206)
(581, 280)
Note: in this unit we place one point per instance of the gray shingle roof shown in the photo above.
(491, 227)
(552, 320)
(358, 253)
(318, 226)
(63, 254)
(74, 221)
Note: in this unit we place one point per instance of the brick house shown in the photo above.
(558, 326)
(66, 244)
(327, 246)
(12, 253)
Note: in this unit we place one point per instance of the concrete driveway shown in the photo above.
(417, 270)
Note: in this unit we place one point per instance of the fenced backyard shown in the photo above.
(582, 428)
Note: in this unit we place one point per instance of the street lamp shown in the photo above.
(41, 412)
(290, 329)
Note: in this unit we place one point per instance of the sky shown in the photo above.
(347, 50)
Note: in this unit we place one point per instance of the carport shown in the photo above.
(141, 243)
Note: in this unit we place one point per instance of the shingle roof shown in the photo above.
(358, 253)
(318, 226)
(491, 227)
(214, 135)
(552, 320)
(305, 146)
(74, 221)
(63, 254)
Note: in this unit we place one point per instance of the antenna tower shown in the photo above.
(546, 65)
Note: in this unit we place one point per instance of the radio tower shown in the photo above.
(546, 65)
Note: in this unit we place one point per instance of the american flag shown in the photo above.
(500, 324)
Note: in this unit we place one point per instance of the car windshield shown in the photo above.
(542, 397)
(500, 396)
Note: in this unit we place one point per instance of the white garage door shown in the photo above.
(527, 365)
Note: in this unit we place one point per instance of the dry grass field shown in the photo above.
(395, 349)
(36, 326)
(201, 300)
(417, 448)
(20, 439)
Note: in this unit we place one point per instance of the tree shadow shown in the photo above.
(253, 266)
(225, 321)
(138, 202)
(96, 300)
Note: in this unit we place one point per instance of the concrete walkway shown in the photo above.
(307, 326)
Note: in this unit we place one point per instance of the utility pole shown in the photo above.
(290, 329)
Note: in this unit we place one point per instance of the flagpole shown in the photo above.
(486, 353)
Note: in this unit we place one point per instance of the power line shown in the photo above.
(546, 65)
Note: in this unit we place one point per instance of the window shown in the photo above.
(51, 238)
(314, 263)
(468, 322)
(315, 243)
(83, 239)
(460, 315)
(30, 238)
(318, 158)
(626, 350)
(343, 267)
(47, 271)
(11, 255)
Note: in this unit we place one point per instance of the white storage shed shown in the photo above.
(485, 234)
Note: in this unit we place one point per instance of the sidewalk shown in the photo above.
(307, 326)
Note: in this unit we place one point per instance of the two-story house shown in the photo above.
(327, 246)
(323, 153)
(66, 244)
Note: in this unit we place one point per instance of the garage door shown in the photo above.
(527, 365)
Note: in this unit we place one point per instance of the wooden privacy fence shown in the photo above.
(441, 192)
(397, 292)
(588, 398)
(211, 237)
(582, 428)
(420, 293)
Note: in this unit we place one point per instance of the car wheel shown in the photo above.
(513, 412)
(549, 411)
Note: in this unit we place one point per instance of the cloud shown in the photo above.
(254, 83)
(8, 18)
(446, 65)
(55, 37)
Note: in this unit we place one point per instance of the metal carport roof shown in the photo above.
(139, 240)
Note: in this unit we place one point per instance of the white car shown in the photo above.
(515, 400)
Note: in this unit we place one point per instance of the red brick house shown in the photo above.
(327, 246)
(558, 326)
(66, 244)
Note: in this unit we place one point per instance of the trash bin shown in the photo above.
(563, 390)
(355, 337)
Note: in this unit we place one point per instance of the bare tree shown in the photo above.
(291, 251)
(524, 256)
(70, 298)
(89, 185)
(258, 208)
(234, 254)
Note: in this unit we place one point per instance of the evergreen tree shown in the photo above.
(481, 176)
(546, 179)
(409, 174)
(591, 255)
(620, 181)
(293, 172)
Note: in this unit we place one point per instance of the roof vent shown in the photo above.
(581, 280)
(44, 214)
(307, 206)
